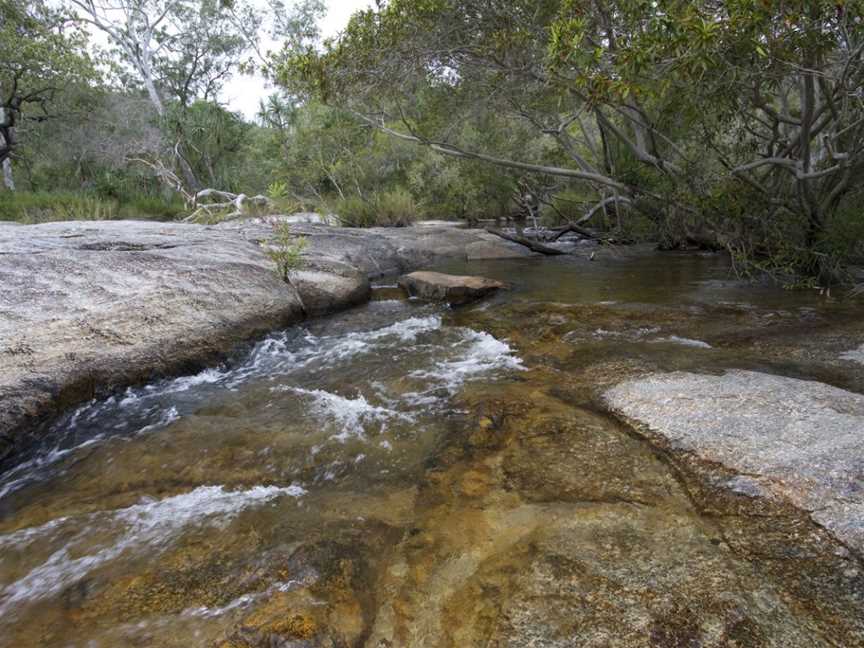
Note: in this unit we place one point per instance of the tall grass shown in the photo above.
(44, 206)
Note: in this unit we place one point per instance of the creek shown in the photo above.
(403, 474)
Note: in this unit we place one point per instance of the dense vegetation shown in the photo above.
(734, 125)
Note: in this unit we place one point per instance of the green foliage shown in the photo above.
(286, 250)
(394, 208)
(151, 208)
(663, 120)
(448, 188)
(43, 57)
(277, 190)
(41, 51)
(844, 234)
(214, 137)
(282, 202)
(733, 124)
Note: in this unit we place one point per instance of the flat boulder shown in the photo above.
(799, 441)
(454, 289)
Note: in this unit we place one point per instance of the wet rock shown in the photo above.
(802, 440)
(88, 307)
(495, 558)
(455, 289)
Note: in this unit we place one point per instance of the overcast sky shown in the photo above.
(243, 93)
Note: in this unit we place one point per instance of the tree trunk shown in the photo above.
(8, 180)
(192, 182)
(7, 141)
(146, 71)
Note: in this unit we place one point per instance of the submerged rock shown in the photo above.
(800, 441)
(455, 289)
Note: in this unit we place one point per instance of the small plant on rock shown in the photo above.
(286, 250)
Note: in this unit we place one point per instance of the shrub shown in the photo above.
(844, 234)
(394, 208)
(286, 250)
(353, 211)
(277, 190)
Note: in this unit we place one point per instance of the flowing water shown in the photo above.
(407, 475)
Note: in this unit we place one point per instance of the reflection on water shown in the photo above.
(405, 475)
(635, 275)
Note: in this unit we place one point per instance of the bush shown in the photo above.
(286, 250)
(451, 189)
(394, 208)
(353, 211)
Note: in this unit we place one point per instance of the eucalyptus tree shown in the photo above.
(183, 51)
(42, 57)
(736, 122)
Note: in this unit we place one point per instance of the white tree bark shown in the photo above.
(131, 25)
(8, 180)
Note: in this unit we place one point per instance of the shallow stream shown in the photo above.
(406, 475)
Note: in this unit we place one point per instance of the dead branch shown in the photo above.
(240, 204)
(534, 246)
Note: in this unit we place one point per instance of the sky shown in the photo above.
(243, 93)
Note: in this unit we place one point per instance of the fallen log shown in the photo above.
(532, 245)
(588, 234)
(570, 227)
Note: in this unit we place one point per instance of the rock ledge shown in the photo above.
(88, 307)
(801, 441)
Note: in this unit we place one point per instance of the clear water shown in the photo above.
(329, 483)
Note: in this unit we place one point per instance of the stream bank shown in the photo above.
(90, 307)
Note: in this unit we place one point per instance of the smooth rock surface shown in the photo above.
(91, 306)
(381, 251)
(455, 289)
(800, 441)
(87, 305)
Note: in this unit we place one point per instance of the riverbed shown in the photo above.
(404, 474)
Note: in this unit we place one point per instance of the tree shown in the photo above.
(215, 136)
(182, 51)
(737, 123)
(42, 58)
